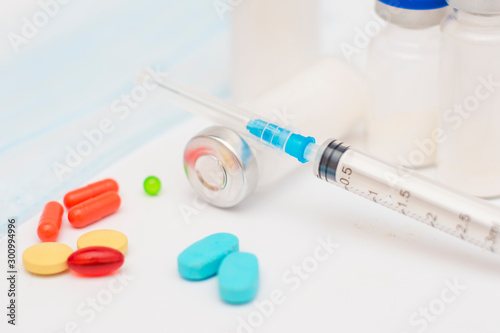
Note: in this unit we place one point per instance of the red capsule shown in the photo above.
(95, 260)
(50, 222)
(94, 209)
(90, 191)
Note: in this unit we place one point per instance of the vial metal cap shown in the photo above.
(482, 7)
(411, 18)
(220, 166)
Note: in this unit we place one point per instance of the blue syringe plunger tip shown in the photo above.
(293, 144)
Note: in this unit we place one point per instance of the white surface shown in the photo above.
(387, 265)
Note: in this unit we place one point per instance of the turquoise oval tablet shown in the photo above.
(202, 259)
(239, 278)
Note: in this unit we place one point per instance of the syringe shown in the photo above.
(402, 190)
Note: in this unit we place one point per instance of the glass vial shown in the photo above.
(271, 42)
(403, 72)
(469, 154)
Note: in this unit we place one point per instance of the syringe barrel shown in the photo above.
(403, 190)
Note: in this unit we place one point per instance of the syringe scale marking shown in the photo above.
(332, 154)
(388, 203)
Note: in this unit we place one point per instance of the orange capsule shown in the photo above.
(93, 190)
(94, 209)
(50, 222)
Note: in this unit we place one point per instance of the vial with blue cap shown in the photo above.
(403, 72)
(469, 158)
